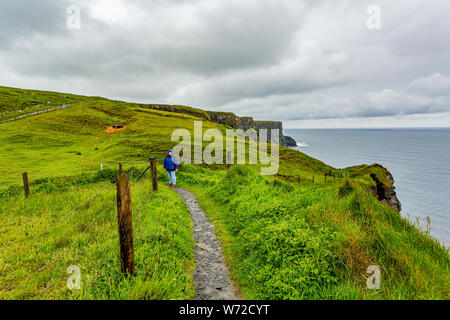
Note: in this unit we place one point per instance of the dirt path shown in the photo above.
(212, 280)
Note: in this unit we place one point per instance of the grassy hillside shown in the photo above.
(17, 102)
(74, 222)
(75, 138)
(316, 241)
(292, 236)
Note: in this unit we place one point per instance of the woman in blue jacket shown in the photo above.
(171, 166)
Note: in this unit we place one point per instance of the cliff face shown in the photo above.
(228, 119)
(178, 109)
(289, 142)
(271, 125)
(383, 183)
(386, 193)
(383, 188)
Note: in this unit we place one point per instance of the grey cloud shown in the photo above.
(434, 85)
(418, 97)
(285, 60)
(21, 18)
(307, 72)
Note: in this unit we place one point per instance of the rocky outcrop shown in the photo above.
(383, 183)
(289, 142)
(385, 192)
(176, 109)
(391, 195)
(226, 118)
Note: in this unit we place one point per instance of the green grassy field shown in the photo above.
(76, 224)
(16, 102)
(284, 237)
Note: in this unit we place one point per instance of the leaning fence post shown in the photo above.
(154, 174)
(125, 223)
(26, 187)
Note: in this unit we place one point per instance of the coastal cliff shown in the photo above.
(382, 183)
(385, 192)
(228, 119)
(332, 222)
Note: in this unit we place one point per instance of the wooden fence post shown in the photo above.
(125, 223)
(313, 179)
(26, 186)
(325, 177)
(120, 167)
(154, 174)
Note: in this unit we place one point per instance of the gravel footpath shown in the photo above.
(211, 277)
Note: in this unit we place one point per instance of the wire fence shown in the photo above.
(80, 169)
(54, 225)
(66, 217)
(131, 174)
(15, 117)
(77, 257)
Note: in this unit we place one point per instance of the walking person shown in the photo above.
(171, 166)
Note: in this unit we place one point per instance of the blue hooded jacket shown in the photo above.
(170, 164)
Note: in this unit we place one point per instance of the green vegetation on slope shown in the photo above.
(75, 223)
(284, 237)
(16, 102)
(312, 241)
(74, 139)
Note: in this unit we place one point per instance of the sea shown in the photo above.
(419, 160)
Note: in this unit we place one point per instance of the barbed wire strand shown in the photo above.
(109, 207)
(67, 215)
(93, 220)
(77, 256)
(58, 253)
(83, 167)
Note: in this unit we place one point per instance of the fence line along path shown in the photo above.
(211, 277)
(64, 106)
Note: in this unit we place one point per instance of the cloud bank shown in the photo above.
(307, 63)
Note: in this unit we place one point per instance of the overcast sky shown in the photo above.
(312, 63)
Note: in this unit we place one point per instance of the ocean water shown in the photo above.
(419, 160)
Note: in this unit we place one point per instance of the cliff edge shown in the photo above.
(381, 183)
(227, 119)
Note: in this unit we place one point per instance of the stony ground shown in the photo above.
(212, 280)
